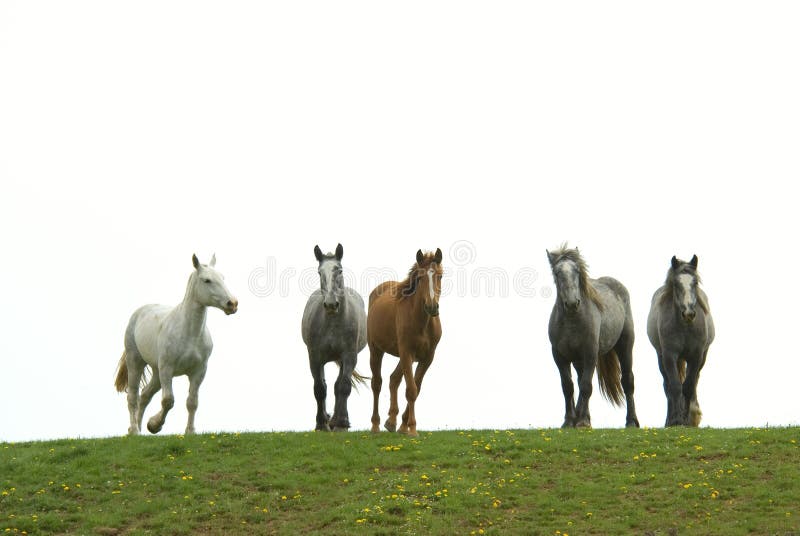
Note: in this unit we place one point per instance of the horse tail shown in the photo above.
(356, 379)
(121, 383)
(681, 369)
(610, 378)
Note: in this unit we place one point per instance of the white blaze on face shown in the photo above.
(685, 281)
(430, 282)
(568, 271)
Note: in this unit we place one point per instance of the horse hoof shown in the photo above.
(375, 429)
(584, 424)
(323, 428)
(341, 428)
(632, 424)
(390, 426)
(152, 428)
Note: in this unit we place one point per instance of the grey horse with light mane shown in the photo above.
(681, 330)
(334, 329)
(591, 326)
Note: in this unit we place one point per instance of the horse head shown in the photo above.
(210, 289)
(567, 275)
(331, 280)
(427, 272)
(684, 280)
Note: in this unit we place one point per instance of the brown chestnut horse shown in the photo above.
(403, 320)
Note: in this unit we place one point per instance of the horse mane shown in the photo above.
(408, 286)
(587, 289)
(669, 285)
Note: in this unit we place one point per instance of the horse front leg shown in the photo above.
(191, 401)
(375, 361)
(419, 374)
(156, 422)
(342, 389)
(320, 391)
(585, 370)
(568, 388)
(152, 387)
(692, 408)
(409, 425)
(394, 408)
(672, 386)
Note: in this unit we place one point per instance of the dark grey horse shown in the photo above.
(334, 329)
(591, 326)
(681, 330)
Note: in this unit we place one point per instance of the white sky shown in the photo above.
(135, 134)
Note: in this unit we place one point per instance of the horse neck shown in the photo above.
(417, 317)
(190, 311)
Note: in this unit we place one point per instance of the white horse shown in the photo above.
(173, 341)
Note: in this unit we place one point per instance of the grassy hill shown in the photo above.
(552, 482)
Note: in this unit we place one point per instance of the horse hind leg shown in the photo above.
(135, 368)
(695, 414)
(624, 353)
(394, 408)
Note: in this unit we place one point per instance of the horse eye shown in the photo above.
(206, 281)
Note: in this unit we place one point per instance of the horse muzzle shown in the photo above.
(231, 307)
(689, 316)
(432, 310)
(572, 306)
(331, 308)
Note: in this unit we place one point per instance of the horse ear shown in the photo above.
(339, 252)
(213, 261)
(420, 256)
(438, 257)
(693, 262)
(195, 262)
(675, 262)
(550, 257)
(318, 253)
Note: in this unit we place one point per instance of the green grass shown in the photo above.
(653, 482)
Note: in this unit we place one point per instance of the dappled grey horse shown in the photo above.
(334, 329)
(681, 330)
(591, 326)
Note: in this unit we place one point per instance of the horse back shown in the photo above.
(144, 329)
(616, 318)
